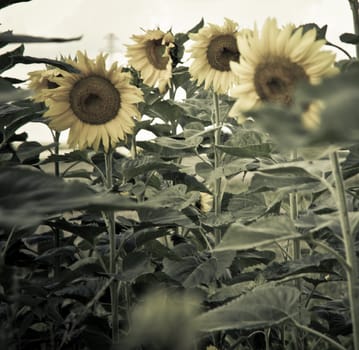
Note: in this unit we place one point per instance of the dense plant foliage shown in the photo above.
(214, 234)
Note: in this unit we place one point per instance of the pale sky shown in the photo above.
(95, 19)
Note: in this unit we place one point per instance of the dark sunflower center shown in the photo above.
(155, 51)
(95, 100)
(275, 80)
(51, 85)
(221, 50)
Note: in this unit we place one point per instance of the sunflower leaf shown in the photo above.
(321, 31)
(349, 38)
(261, 308)
(6, 61)
(30, 60)
(197, 27)
(8, 37)
(263, 232)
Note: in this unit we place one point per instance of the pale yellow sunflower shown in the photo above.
(97, 105)
(205, 202)
(40, 81)
(273, 62)
(150, 55)
(213, 48)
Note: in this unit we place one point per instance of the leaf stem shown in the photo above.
(111, 228)
(217, 182)
(350, 255)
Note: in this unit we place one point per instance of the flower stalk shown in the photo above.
(111, 228)
(217, 159)
(348, 239)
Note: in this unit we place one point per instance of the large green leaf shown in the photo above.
(134, 265)
(10, 93)
(263, 232)
(204, 273)
(8, 37)
(28, 196)
(165, 217)
(282, 177)
(259, 150)
(6, 61)
(263, 307)
(133, 167)
(179, 144)
(167, 110)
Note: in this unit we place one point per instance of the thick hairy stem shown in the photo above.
(293, 205)
(348, 239)
(57, 232)
(217, 182)
(110, 214)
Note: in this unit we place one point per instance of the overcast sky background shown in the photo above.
(96, 19)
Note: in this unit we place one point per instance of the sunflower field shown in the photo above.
(235, 227)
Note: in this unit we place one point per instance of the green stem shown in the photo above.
(341, 49)
(110, 214)
(57, 152)
(352, 271)
(266, 335)
(217, 182)
(355, 11)
(133, 146)
(293, 211)
(57, 232)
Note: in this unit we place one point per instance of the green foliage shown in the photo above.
(177, 288)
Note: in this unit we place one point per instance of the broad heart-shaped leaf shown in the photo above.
(29, 196)
(262, 307)
(134, 265)
(29, 152)
(165, 217)
(203, 273)
(316, 263)
(179, 144)
(133, 167)
(248, 143)
(259, 150)
(263, 232)
(282, 177)
(167, 110)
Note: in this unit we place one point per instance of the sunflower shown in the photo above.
(40, 81)
(272, 64)
(150, 55)
(205, 202)
(213, 49)
(98, 105)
